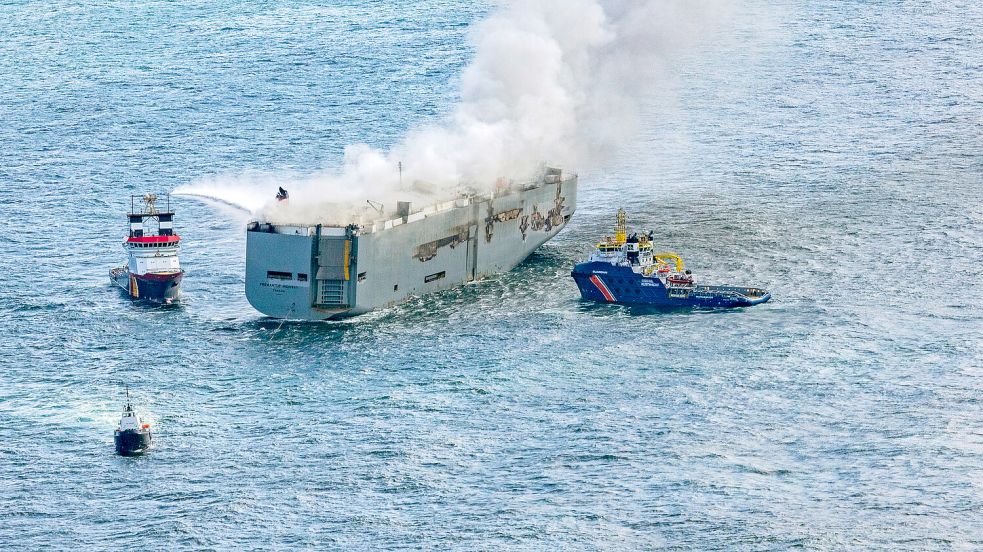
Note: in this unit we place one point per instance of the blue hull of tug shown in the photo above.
(159, 288)
(608, 283)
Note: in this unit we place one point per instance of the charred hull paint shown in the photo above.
(160, 288)
(330, 272)
(131, 442)
(606, 283)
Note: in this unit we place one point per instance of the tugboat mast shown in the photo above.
(621, 227)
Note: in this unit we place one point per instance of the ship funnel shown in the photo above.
(553, 175)
(621, 227)
(403, 209)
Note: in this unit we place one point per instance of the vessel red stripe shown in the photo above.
(602, 288)
(154, 239)
(157, 277)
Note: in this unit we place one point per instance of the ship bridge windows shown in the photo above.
(144, 245)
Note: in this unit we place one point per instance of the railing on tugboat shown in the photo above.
(150, 204)
(729, 291)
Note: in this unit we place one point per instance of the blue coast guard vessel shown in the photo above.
(153, 270)
(626, 269)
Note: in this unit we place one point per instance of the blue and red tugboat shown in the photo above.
(153, 271)
(626, 269)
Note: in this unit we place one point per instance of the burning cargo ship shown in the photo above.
(325, 271)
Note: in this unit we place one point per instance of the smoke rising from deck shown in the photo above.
(560, 81)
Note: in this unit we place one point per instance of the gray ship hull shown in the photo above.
(328, 272)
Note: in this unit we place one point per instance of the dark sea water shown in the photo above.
(829, 151)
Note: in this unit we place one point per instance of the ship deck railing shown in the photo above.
(732, 291)
(164, 209)
(389, 223)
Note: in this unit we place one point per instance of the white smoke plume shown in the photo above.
(557, 81)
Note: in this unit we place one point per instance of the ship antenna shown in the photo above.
(151, 200)
(400, 165)
(621, 228)
(127, 396)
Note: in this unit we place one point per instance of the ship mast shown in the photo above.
(621, 228)
(150, 200)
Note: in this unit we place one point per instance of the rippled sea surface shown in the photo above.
(829, 151)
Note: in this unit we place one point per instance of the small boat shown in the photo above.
(153, 270)
(627, 269)
(132, 437)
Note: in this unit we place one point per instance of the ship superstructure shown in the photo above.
(627, 269)
(153, 270)
(320, 271)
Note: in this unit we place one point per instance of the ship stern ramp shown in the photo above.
(283, 268)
